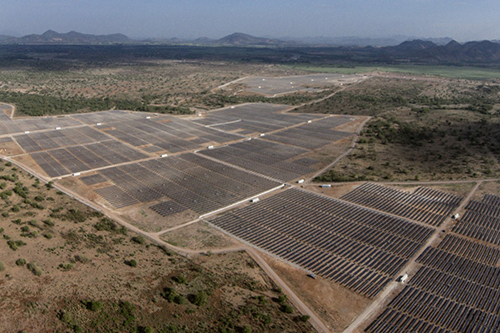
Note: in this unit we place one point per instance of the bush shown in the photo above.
(131, 263)
(287, 308)
(146, 329)
(93, 305)
(139, 240)
(2, 266)
(179, 279)
(179, 299)
(14, 245)
(21, 262)
(200, 298)
(127, 310)
(106, 224)
(82, 259)
(66, 317)
(66, 266)
(304, 318)
(169, 294)
(247, 329)
(35, 270)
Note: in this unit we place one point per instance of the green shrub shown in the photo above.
(21, 262)
(286, 308)
(169, 294)
(106, 224)
(39, 198)
(14, 245)
(127, 310)
(179, 279)
(304, 318)
(66, 317)
(93, 305)
(48, 222)
(179, 299)
(2, 266)
(139, 240)
(82, 259)
(247, 329)
(15, 209)
(35, 270)
(200, 298)
(66, 266)
(131, 263)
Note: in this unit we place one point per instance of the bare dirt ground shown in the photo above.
(335, 305)
(487, 188)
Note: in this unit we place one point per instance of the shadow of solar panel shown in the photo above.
(116, 197)
(168, 208)
(92, 180)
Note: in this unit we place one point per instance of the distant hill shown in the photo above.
(72, 37)
(241, 39)
(4, 37)
(451, 53)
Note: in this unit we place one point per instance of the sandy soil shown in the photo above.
(335, 305)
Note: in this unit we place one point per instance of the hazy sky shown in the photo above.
(459, 19)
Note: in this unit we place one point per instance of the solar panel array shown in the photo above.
(41, 141)
(191, 181)
(267, 158)
(74, 159)
(312, 135)
(457, 289)
(424, 205)
(359, 248)
(254, 118)
(481, 220)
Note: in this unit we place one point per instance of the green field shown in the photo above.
(472, 73)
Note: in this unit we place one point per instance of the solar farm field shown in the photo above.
(424, 205)
(177, 184)
(457, 288)
(301, 83)
(357, 247)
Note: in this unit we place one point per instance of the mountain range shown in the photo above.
(72, 37)
(235, 39)
(429, 51)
